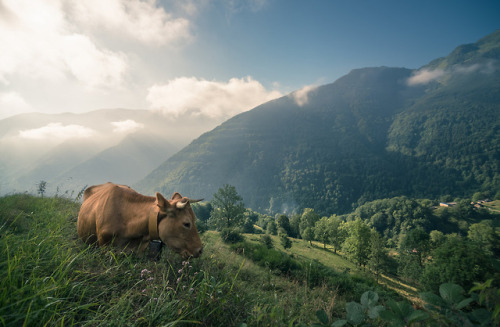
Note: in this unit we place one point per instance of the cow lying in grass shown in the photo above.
(117, 214)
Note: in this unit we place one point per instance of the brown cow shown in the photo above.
(117, 214)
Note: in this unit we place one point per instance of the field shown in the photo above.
(49, 277)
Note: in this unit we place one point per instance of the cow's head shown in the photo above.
(177, 225)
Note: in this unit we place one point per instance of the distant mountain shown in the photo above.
(127, 162)
(69, 151)
(374, 133)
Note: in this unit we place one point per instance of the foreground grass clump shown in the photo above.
(49, 277)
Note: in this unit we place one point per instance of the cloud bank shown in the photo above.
(425, 76)
(301, 97)
(126, 126)
(208, 98)
(58, 132)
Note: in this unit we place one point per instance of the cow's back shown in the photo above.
(95, 200)
(106, 211)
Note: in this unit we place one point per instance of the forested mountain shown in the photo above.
(374, 133)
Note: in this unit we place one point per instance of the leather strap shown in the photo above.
(153, 224)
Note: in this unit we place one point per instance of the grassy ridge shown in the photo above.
(49, 277)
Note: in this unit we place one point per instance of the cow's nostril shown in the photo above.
(200, 251)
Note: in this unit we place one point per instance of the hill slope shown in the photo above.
(374, 133)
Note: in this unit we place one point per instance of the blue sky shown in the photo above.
(213, 58)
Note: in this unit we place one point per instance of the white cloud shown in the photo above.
(57, 131)
(44, 45)
(301, 97)
(126, 126)
(11, 103)
(143, 21)
(64, 40)
(425, 76)
(209, 98)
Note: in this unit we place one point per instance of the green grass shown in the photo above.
(50, 278)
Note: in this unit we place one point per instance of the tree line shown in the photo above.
(409, 238)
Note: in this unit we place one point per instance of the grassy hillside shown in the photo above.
(49, 277)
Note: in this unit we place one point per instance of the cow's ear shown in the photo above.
(161, 201)
(176, 196)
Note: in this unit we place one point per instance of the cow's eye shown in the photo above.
(187, 225)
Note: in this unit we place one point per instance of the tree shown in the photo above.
(459, 261)
(308, 220)
(322, 230)
(294, 226)
(227, 208)
(202, 210)
(378, 253)
(483, 234)
(308, 234)
(271, 228)
(42, 186)
(437, 238)
(337, 235)
(413, 250)
(357, 242)
(284, 222)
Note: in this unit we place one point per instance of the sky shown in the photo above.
(213, 58)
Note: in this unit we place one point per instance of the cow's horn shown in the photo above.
(181, 204)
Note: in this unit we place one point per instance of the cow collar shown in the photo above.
(153, 221)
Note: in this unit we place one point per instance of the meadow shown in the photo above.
(50, 278)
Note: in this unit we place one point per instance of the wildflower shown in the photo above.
(145, 272)
(180, 270)
(150, 279)
(191, 290)
(143, 291)
(178, 280)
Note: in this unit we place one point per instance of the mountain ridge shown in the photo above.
(350, 142)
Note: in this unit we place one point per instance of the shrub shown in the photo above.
(285, 241)
(231, 236)
(267, 240)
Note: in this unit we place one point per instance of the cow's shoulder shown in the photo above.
(96, 189)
